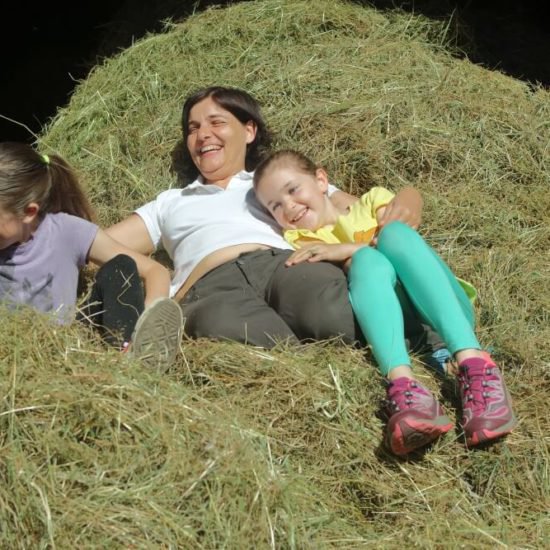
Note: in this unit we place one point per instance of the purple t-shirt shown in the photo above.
(43, 272)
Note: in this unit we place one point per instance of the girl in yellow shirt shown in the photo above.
(377, 256)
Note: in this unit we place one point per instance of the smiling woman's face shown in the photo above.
(217, 141)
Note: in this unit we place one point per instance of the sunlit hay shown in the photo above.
(98, 451)
(237, 447)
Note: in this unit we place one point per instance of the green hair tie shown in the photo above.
(46, 159)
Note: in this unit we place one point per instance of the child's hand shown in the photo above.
(319, 252)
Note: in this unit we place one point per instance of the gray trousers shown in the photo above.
(256, 300)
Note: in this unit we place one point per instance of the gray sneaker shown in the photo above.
(157, 334)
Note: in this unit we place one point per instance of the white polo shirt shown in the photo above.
(193, 222)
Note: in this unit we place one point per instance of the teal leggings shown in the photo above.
(403, 255)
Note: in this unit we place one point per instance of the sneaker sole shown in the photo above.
(407, 437)
(156, 338)
(484, 436)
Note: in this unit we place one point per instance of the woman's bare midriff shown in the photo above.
(213, 260)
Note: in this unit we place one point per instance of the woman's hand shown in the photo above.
(405, 207)
(320, 252)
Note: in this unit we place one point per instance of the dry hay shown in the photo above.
(240, 448)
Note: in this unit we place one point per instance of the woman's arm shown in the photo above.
(405, 207)
(132, 233)
(320, 251)
(156, 277)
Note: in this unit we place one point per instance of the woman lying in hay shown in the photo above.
(229, 256)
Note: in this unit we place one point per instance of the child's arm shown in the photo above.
(379, 216)
(342, 200)
(156, 277)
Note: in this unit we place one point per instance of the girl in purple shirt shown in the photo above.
(47, 235)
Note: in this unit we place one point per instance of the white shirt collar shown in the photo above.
(198, 185)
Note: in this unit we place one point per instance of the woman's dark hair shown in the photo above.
(286, 156)
(49, 181)
(243, 107)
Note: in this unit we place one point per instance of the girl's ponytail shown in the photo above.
(66, 194)
(49, 181)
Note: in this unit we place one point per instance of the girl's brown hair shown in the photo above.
(49, 181)
(287, 157)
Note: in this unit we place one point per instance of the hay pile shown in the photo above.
(241, 448)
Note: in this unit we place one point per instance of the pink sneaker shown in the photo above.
(416, 417)
(486, 405)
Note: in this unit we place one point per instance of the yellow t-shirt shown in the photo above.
(359, 225)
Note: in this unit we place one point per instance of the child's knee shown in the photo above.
(395, 230)
(119, 264)
(369, 263)
(397, 238)
(124, 262)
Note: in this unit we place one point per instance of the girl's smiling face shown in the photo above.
(296, 199)
(17, 228)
